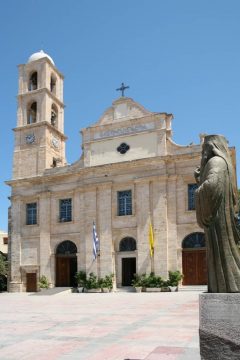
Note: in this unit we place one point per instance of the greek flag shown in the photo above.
(95, 242)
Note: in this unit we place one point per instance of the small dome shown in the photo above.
(39, 55)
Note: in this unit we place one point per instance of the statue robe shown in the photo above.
(215, 213)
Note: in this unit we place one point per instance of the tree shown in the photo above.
(3, 273)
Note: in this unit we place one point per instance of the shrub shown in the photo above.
(107, 282)
(174, 278)
(43, 282)
(81, 277)
(92, 282)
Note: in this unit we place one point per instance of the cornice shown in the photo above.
(39, 91)
(113, 169)
(40, 124)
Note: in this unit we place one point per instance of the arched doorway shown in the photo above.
(128, 244)
(66, 263)
(194, 262)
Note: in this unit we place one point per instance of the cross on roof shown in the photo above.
(122, 88)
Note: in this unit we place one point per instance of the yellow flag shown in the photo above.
(151, 239)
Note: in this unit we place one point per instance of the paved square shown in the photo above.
(115, 326)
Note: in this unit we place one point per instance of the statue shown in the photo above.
(216, 205)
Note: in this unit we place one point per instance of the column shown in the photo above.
(45, 235)
(15, 283)
(159, 223)
(142, 216)
(104, 228)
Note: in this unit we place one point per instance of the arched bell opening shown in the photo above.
(33, 81)
(32, 113)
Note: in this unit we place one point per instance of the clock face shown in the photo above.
(55, 142)
(30, 138)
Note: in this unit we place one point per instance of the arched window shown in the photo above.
(194, 240)
(54, 115)
(33, 81)
(32, 113)
(127, 244)
(53, 82)
(66, 247)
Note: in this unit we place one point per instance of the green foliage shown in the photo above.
(43, 282)
(92, 282)
(3, 273)
(106, 282)
(150, 280)
(81, 277)
(138, 280)
(174, 278)
(155, 281)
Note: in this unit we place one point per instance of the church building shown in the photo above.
(130, 174)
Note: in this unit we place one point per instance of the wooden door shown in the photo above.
(66, 268)
(128, 271)
(194, 267)
(31, 285)
(62, 271)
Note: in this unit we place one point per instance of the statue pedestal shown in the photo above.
(219, 328)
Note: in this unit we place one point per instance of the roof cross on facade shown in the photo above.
(122, 88)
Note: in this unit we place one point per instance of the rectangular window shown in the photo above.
(125, 202)
(65, 210)
(31, 214)
(191, 196)
(5, 240)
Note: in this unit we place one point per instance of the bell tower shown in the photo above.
(39, 135)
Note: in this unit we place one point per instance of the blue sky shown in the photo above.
(177, 56)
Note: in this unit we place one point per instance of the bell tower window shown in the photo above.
(33, 82)
(53, 84)
(32, 113)
(54, 115)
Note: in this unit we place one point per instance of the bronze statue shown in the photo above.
(216, 205)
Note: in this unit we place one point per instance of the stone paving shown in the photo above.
(115, 326)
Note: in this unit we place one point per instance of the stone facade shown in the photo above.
(3, 242)
(154, 168)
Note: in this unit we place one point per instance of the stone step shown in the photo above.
(125, 289)
(200, 288)
(55, 291)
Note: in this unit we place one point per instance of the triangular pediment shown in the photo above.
(122, 109)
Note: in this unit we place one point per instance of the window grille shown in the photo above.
(191, 196)
(31, 214)
(125, 202)
(127, 244)
(65, 210)
(66, 247)
(194, 240)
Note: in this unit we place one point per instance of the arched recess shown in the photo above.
(128, 260)
(32, 113)
(66, 263)
(127, 244)
(33, 81)
(194, 262)
(54, 115)
(53, 84)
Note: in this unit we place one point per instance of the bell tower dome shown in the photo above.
(39, 135)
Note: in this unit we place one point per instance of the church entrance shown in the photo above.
(66, 264)
(194, 261)
(128, 270)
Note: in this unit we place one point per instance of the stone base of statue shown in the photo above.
(219, 328)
